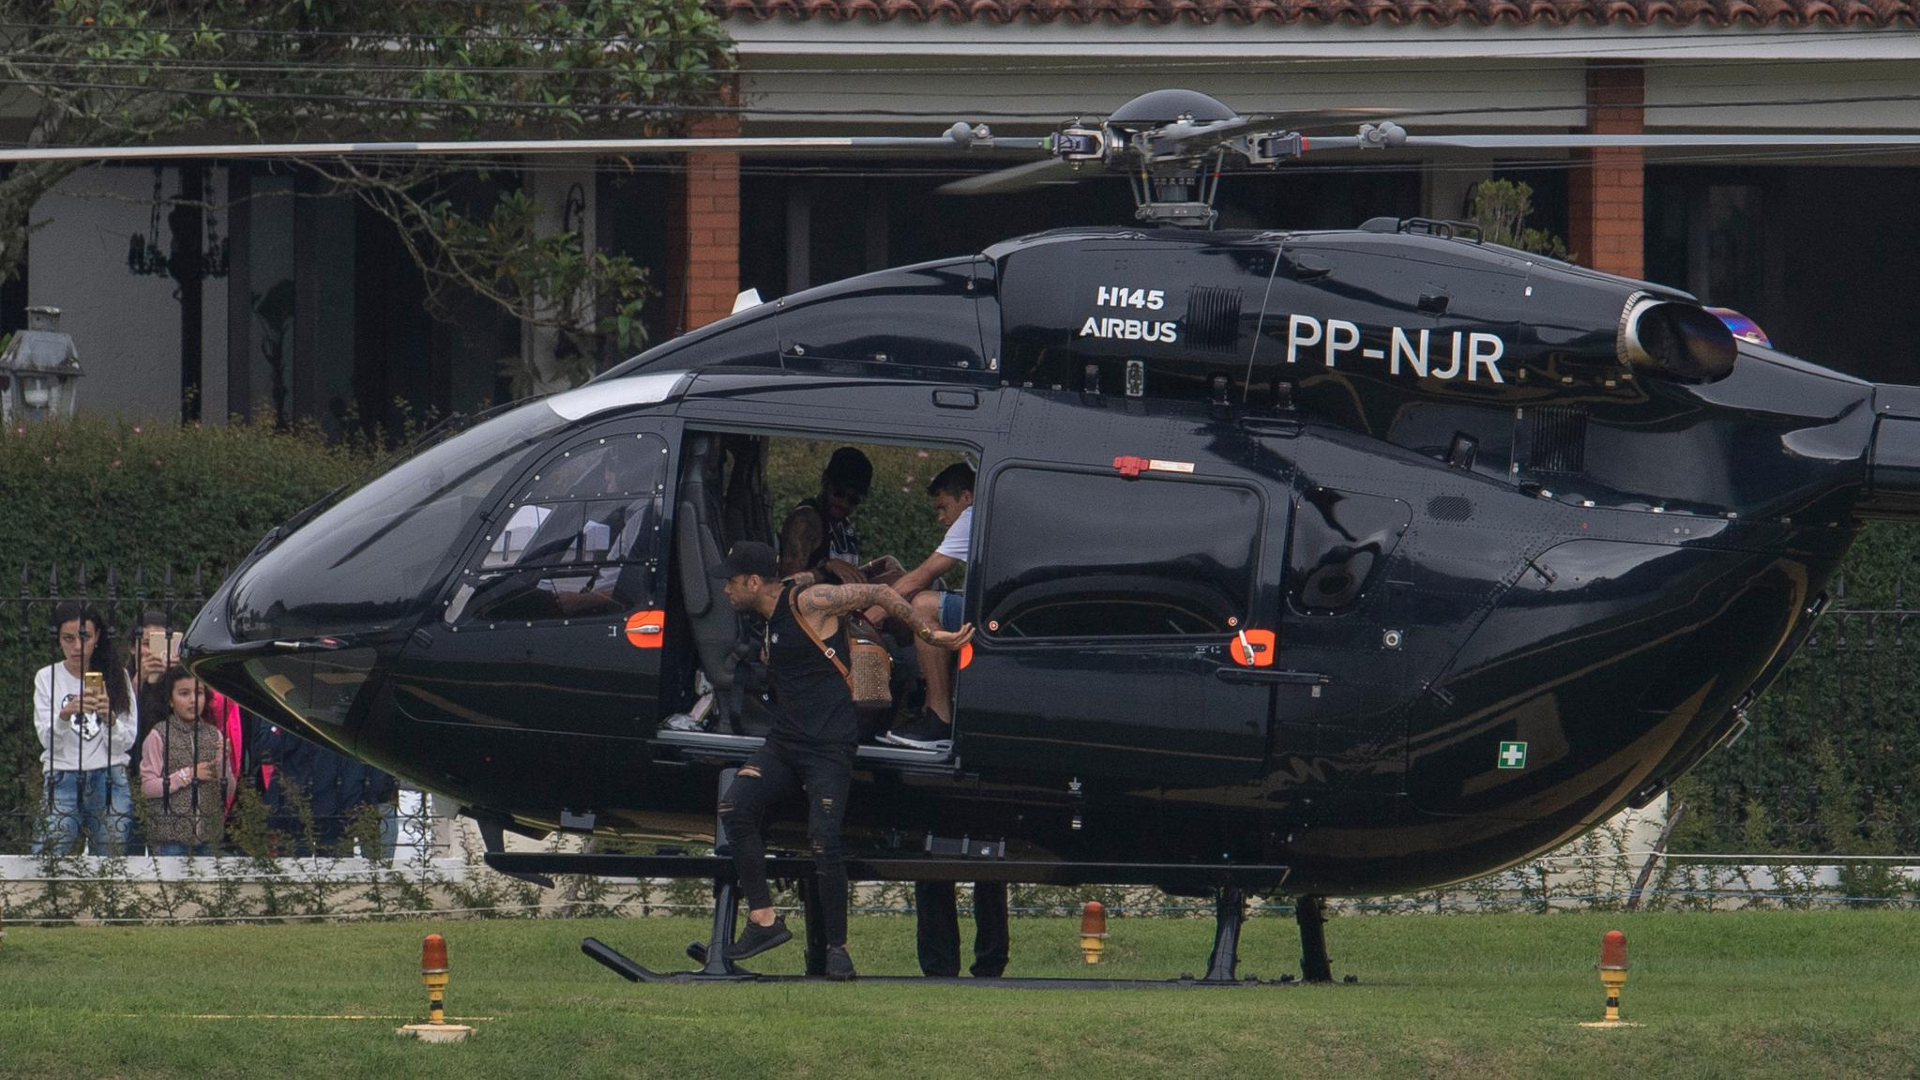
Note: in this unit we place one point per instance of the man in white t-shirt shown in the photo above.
(952, 493)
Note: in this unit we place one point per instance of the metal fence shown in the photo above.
(291, 798)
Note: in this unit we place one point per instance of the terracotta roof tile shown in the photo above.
(1862, 14)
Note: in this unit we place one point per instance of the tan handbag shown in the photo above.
(871, 679)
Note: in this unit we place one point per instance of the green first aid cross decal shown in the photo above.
(1513, 755)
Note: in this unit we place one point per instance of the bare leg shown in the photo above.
(936, 663)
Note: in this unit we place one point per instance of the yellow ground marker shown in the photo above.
(1613, 976)
(433, 972)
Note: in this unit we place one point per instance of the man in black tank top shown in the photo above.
(813, 737)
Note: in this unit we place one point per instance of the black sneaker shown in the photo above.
(839, 964)
(757, 939)
(924, 732)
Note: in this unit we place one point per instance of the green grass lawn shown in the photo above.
(1747, 994)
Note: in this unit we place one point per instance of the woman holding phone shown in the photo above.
(147, 660)
(86, 717)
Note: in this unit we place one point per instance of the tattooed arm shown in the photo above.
(800, 536)
(831, 601)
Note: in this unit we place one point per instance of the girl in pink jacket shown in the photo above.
(186, 775)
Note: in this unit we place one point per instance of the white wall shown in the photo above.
(126, 328)
(548, 182)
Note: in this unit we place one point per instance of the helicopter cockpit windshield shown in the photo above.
(368, 563)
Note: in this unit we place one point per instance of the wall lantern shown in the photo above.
(38, 370)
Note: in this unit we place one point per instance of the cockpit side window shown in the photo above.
(920, 317)
(579, 540)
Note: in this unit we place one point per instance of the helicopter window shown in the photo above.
(366, 563)
(919, 316)
(583, 544)
(555, 534)
(1087, 555)
(615, 465)
(1341, 540)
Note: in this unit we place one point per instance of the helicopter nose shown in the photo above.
(314, 685)
(1893, 469)
(300, 630)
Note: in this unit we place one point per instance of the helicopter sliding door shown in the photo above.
(1109, 609)
(556, 621)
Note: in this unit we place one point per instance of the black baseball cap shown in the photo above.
(747, 557)
(849, 468)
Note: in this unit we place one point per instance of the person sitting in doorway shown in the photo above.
(952, 492)
(820, 530)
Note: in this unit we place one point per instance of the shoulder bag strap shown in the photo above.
(793, 604)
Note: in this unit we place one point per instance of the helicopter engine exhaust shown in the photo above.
(1673, 340)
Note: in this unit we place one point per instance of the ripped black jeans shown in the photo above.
(775, 771)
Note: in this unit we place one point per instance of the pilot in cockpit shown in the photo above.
(573, 536)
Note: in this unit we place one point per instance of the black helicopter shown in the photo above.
(1321, 563)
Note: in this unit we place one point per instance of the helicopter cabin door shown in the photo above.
(556, 620)
(1109, 614)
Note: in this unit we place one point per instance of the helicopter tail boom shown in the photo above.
(1893, 474)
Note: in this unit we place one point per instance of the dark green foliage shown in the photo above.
(1501, 208)
(103, 492)
(897, 517)
(1832, 761)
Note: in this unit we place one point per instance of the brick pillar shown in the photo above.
(1606, 191)
(704, 245)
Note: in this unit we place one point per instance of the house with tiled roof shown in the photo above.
(1820, 248)
(1768, 230)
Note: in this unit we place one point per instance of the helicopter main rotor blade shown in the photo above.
(1583, 142)
(1017, 178)
(857, 143)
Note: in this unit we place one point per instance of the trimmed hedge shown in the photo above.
(1831, 763)
(896, 518)
(114, 492)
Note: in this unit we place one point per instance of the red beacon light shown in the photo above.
(433, 955)
(1613, 975)
(1613, 951)
(433, 972)
(1093, 930)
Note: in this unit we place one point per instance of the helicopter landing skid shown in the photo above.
(633, 971)
(1229, 914)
